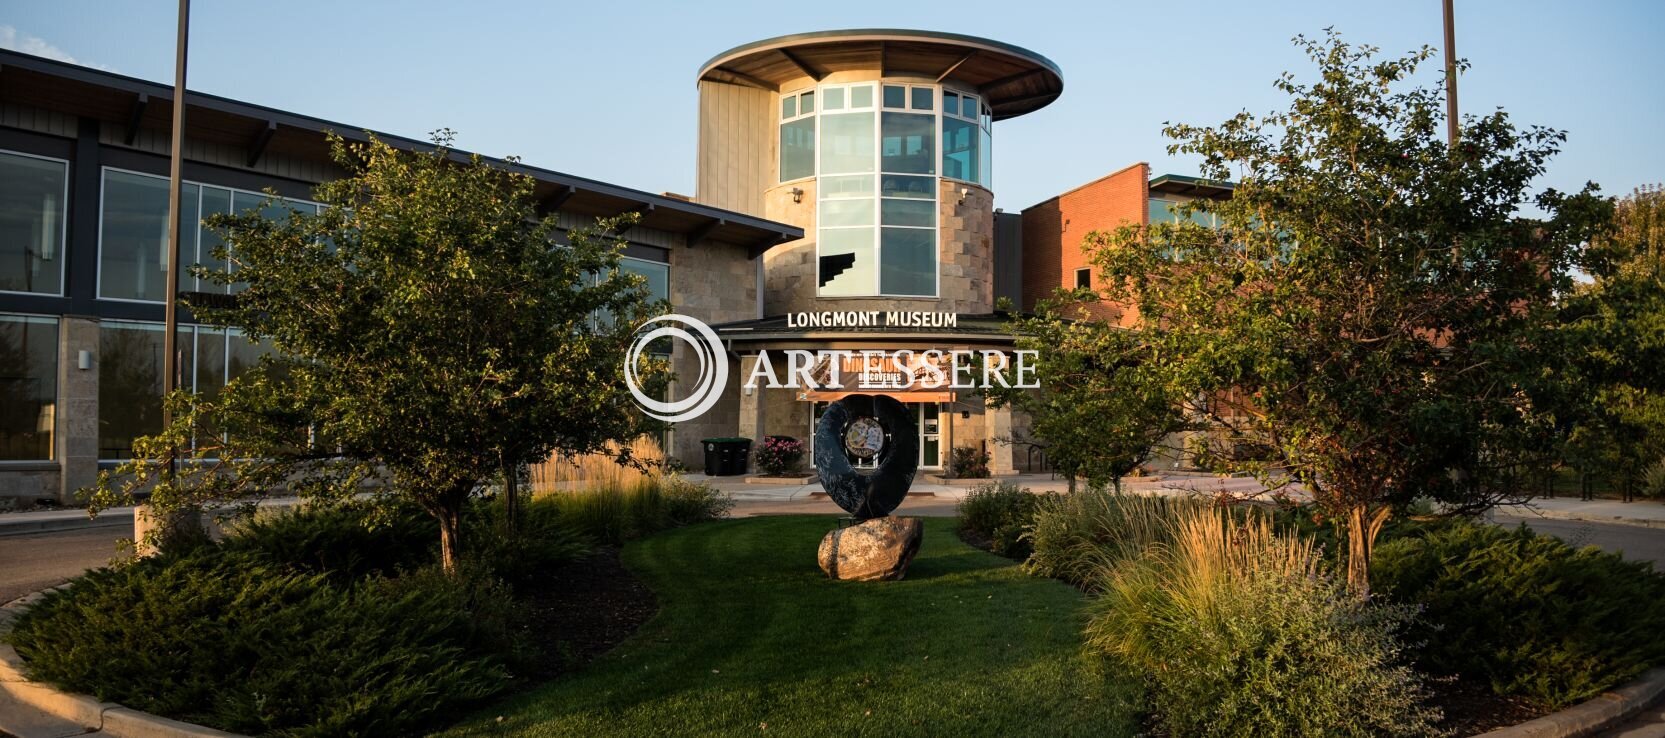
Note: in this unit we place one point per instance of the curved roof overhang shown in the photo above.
(1013, 79)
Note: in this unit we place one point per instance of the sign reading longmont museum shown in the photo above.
(872, 318)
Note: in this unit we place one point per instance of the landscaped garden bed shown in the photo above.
(336, 621)
(1499, 626)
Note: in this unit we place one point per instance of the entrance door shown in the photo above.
(930, 435)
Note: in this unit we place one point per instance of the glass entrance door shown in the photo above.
(930, 435)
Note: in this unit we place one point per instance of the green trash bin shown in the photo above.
(726, 457)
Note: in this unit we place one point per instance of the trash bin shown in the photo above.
(726, 457)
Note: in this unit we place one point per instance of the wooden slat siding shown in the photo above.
(737, 141)
(645, 236)
(155, 141)
(29, 118)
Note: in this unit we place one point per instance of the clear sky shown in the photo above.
(606, 89)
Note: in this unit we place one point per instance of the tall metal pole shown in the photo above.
(176, 167)
(170, 363)
(1450, 75)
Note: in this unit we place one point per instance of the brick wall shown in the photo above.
(1053, 232)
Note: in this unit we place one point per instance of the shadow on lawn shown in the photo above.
(752, 634)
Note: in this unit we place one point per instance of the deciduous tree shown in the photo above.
(427, 329)
(1371, 308)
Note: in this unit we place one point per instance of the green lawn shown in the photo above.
(752, 640)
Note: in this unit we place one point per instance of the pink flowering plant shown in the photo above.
(780, 455)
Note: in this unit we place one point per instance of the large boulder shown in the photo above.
(876, 549)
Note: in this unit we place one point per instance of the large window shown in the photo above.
(130, 366)
(876, 209)
(33, 193)
(133, 233)
(28, 387)
(965, 138)
(657, 274)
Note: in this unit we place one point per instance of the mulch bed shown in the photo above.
(1471, 707)
(582, 610)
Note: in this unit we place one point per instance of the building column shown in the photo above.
(75, 440)
(997, 426)
(751, 403)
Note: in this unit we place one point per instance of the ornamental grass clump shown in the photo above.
(1241, 632)
(1076, 536)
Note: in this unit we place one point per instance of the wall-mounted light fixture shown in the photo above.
(963, 193)
(797, 195)
(83, 360)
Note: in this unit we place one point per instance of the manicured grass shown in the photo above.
(752, 640)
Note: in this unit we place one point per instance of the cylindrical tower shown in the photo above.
(878, 144)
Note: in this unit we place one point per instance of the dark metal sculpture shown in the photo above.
(875, 430)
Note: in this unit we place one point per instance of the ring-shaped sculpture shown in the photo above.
(867, 427)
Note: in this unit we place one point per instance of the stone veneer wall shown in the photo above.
(965, 251)
(715, 283)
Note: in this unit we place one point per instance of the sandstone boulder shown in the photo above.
(876, 549)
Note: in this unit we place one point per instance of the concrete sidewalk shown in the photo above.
(45, 521)
(773, 499)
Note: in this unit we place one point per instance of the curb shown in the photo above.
(1603, 711)
(107, 519)
(107, 718)
(1517, 512)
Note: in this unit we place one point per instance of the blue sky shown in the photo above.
(606, 89)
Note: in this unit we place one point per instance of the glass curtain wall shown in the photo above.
(877, 150)
(33, 193)
(28, 387)
(130, 375)
(133, 233)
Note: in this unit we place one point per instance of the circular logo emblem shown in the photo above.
(713, 372)
(864, 438)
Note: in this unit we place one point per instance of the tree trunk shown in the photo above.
(1362, 526)
(511, 499)
(450, 538)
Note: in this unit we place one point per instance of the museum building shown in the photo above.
(839, 173)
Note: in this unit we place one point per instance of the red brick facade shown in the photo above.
(1053, 231)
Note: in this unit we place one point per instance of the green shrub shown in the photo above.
(966, 462)
(1075, 536)
(231, 641)
(1000, 512)
(1240, 633)
(545, 542)
(347, 542)
(1528, 613)
(614, 514)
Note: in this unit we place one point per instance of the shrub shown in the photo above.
(234, 642)
(1653, 480)
(1240, 633)
(1000, 512)
(1528, 613)
(615, 514)
(1075, 536)
(966, 462)
(545, 541)
(780, 455)
(346, 542)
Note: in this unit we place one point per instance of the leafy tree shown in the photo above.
(429, 334)
(1370, 311)
(1102, 407)
(1614, 328)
